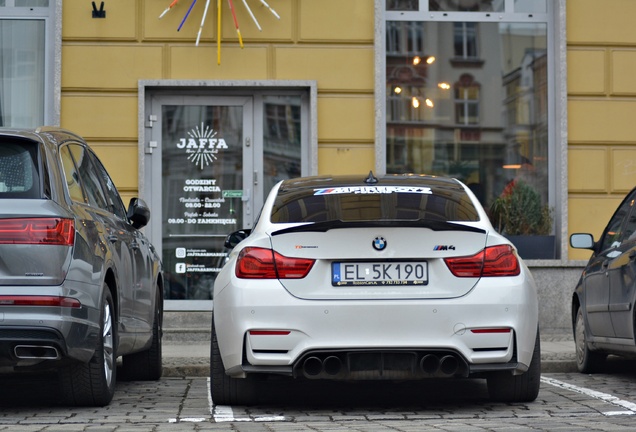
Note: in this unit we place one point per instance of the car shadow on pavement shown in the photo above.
(615, 365)
(29, 389)
(325, 394)
(33, 389)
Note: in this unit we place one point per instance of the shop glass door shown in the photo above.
(206, 160)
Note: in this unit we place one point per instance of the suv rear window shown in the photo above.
(19, 170)
(373, 203)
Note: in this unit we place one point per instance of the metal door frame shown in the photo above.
(152, 91)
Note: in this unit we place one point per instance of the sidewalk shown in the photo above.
(193, 358)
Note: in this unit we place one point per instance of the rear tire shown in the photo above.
(147, 365)
(93, 383)
(587, 361)
(225, 389)
(505, 387)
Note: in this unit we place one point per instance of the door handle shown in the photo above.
(112, 238)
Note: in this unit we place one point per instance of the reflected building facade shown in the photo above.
(468, 100)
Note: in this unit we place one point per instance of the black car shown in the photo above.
(80, 284)
(603, 313)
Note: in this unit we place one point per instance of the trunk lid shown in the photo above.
(380, 260)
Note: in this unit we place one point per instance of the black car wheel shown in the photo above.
(147, 365)
(587, 361)
(93, 383)
(225, 389)
(506, 387)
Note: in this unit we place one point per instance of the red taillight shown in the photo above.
(490, 262)
(39, 301)
(52, 231)
(259, 263)
(292, 268)
(255, 263)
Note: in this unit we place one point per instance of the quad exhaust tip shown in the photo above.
(314, 366)
(430, 364)
(447, 365)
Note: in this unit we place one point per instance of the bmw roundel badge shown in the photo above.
(379, 243)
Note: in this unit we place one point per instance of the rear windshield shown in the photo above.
(19, 177)
(373, 203)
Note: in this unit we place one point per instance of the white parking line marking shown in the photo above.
(187, 420)
(629, 406)
(225, 413)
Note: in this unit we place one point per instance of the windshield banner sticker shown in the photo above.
(373, 190)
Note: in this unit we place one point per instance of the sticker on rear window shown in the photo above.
(373, 190)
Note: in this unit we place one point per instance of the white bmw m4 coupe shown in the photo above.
(400, 277)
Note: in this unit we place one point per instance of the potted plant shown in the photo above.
(519, 215)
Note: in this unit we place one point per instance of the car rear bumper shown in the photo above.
(42, 336)
(46, 346)
(261, 326)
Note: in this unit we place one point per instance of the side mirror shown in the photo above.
(138, 213)
(582, 241)
(236, 237)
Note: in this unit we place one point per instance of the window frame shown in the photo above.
(622, 216)
(52, 17)
(469, 39)
(464, 102)
(557, 100)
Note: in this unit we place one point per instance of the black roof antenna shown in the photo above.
(371, 179)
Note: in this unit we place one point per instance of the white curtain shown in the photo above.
(22, 56)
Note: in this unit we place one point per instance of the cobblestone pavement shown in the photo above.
(567, 401)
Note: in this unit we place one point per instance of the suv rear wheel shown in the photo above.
(93, 383)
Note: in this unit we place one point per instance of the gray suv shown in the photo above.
(80, 285)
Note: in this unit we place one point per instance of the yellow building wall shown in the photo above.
(329, 41)
(601, 58)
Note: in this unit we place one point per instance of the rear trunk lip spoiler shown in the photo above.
(338, 224)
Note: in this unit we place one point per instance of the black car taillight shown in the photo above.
(491, 262)
(51, 231)
(261, 263)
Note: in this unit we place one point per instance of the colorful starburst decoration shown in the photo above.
(218, 18)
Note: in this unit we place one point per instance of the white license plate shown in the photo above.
(383, 273)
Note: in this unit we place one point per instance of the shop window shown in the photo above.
(477, 107)
(402, 5)
(466, 5)
(27, 47)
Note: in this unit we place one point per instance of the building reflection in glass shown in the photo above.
(478, 112)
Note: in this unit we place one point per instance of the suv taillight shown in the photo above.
(493, 261)
(260, 263)
(51, 231)
(36, 300)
